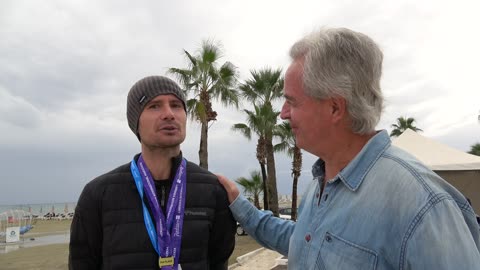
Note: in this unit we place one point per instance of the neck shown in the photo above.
(346, 148)
(159, 160)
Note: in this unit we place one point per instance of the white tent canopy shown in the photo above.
(437, 156)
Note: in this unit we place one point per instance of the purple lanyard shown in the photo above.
(169, 229)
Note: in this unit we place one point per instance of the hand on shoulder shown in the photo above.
(230, 187)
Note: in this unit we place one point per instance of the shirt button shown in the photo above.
(308, 237)
(328, 238)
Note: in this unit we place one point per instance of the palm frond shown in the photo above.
(192, 59)
(264, 86)
(403, 123)
(243, 129)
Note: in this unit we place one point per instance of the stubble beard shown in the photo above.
(174, 145)
(163, 145)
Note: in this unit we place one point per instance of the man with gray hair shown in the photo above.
(158, 211)
(370, 205)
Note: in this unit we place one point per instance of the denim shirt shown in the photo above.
(384, 210)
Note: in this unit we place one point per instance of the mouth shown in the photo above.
(169, 128)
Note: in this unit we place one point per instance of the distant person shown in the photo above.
(158, 210)
(370, 205)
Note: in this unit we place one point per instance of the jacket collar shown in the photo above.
(354, 173)
(175, 163)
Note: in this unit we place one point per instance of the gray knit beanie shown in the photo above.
(145, 90)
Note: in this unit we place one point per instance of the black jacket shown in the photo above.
(108, 229)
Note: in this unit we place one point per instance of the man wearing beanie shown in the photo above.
(158, 211)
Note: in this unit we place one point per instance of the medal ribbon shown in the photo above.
(166, 238)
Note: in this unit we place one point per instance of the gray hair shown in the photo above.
(341, 62)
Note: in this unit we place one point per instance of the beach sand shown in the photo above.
(55, 256)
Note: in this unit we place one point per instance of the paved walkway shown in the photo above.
(260, 259)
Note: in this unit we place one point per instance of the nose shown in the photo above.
(285, 113)
(168, 113)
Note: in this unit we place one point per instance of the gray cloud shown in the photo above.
(66, 68)
(16, 111)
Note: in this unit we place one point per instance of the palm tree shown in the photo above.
(264, 87)
(288, 144)
(475, 149)
(252, 186)
(206, 81)
(258, 122)
(403, 124)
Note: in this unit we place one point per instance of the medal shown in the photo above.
(168, 261)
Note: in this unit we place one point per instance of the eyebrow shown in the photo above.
(153, 101)
(288, 97)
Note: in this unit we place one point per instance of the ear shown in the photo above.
(339, 108)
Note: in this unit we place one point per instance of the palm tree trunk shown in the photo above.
(203, 149)
(296, 171)
(256, 201)
(272, 179)
(294, 198)
(265, 186)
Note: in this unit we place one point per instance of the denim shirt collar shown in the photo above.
(354, 173)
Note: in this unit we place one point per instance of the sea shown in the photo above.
(41, 209)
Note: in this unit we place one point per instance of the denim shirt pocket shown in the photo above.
(340, 254)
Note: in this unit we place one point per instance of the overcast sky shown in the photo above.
(66, 68)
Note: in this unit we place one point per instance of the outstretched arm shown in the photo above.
(271, 232)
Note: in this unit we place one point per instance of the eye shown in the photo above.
(176, 105)
(153, 106)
